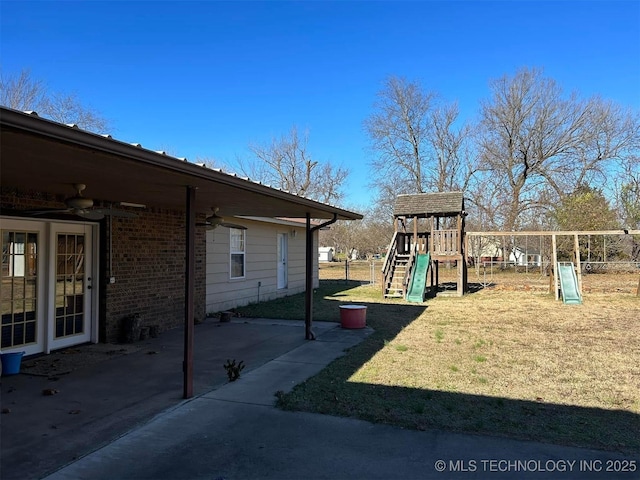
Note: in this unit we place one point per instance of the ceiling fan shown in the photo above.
(83, 207)
(215, 220)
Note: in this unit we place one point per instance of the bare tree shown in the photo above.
(22, 92)
(377, 233)
(453, 163)
(343, 235)
(399, 130)
(628, 201)
(536, 145)
(612, 136)
(369, 236)
(416, 144)
(628, 192)
(287, 164)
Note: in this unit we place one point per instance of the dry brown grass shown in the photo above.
(516, 363)
(520, 346)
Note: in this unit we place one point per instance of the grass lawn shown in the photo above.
(509, 363)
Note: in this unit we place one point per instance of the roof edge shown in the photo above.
(35, 124)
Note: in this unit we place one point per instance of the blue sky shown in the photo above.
(205, 79)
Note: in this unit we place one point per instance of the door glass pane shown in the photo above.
(70, 285)
(18, 288)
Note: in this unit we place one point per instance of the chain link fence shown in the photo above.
(363, 271)
(606, 277)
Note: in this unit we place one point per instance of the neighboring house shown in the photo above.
(76, 262)
(263, 262)
(492, 250)
(523, 257)
(325, 254)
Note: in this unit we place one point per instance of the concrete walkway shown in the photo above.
(234, 432)
(96, 403)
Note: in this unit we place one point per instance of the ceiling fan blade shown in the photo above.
(90, 214)
(233, 225)
(213, 226)
(45, 211)
(115, 213)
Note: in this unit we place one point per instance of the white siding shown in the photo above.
(261, 265)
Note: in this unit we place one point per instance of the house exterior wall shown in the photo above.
(223, 292)
(522, 258)
(147, 263)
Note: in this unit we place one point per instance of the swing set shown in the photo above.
(541, 251)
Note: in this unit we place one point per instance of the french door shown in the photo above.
(46, 296)
(71, 284)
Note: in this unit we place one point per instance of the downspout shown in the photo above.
(308, 298)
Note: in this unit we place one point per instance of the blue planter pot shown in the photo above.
(11, 363)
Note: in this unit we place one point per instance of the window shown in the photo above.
(237, 248)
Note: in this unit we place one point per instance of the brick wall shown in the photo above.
(12, 199)
(148, 264)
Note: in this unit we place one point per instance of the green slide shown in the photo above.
(569, 284)
(419, 278)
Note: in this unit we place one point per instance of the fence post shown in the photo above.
(554, 262)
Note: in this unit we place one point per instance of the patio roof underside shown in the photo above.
(42, 156)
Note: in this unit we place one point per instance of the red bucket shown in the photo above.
(353, 316)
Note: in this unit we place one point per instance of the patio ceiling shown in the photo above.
(45, 156)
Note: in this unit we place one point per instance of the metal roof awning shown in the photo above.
(45, 156)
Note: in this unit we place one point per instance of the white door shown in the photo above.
(70, 284)
(283, 259)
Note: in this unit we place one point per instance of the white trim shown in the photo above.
(49, 309)
(95, 282)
